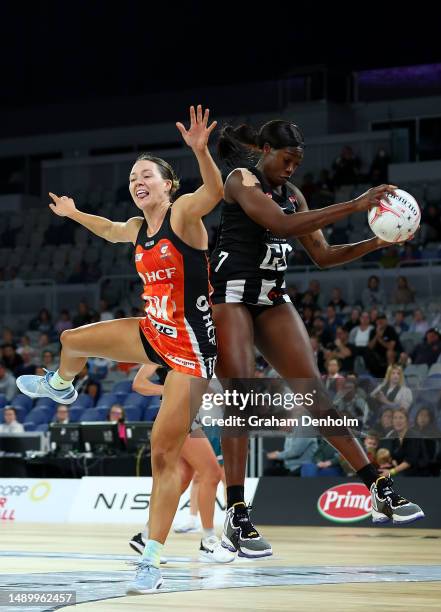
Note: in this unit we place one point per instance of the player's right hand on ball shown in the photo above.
(63, 206)
(372, 197)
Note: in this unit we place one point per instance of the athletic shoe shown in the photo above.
(212, 551)
(148, 579)
(138, 544)
(39, 386)
(387, 504)
(189, 525)
(240, 534)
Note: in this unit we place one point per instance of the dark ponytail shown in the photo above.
(237, 147)
(242, 146)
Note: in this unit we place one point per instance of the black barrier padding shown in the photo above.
(293, 501)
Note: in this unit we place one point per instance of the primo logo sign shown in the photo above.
(345, 503)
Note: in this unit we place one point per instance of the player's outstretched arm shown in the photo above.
(195, 205)
(112, 231)
(244, 188)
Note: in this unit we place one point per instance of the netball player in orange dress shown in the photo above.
(177, 331)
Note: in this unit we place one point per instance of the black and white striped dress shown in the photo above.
(248, 263)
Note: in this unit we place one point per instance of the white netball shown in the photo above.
(396, 220)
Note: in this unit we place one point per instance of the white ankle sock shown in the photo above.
(58, 383)
(208, 532)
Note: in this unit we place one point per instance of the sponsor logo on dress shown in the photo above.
(345, 503)
(180, 361)
(167, 330)
(203, 305)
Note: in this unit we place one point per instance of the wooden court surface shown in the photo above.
(294, 547)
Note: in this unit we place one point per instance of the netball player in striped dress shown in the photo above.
(177, 331)
(261, 209)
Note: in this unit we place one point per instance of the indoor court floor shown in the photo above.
(334, 568)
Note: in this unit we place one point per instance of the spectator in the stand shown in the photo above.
(12, 360)
(7, 383)
(314, 289)
(429, 350)
(419, 322)
(336, 300)
(346, 167)
(7, 336)
(325, 186)
(384, 425)
(373, 315)
(431, 224)
(64, 322)
(379, 170)
(333, 380)
(49, 361)
(325, 462)
(324, 336)
(11, 425)
(295, 296)
(332, 320)
(318, 353)
(407, 451)
(399, 323)
(83, 316)
(393, 392)
(391, 357)
(83, 377)
(342, 350)
(116, 412)
(105, 313)
(296, 452)
(372, 295)
(370, 444)
(27, 351)
(44, 342)
(120, 314)
(359, 335)
(409, 255)
(93, 389)
(308, 317)
(43, 323)
(79, 274)
(403, 294)
(308, 187)
(390, 257)
(93, 273)
(426, 430)
(351, 400)
(61, 416)
(353, 321)
(382, 338)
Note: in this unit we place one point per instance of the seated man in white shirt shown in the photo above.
(11, 425)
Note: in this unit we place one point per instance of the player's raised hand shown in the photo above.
(62, 206)
(373, 196)
(196, 137)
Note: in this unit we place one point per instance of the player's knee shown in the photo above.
(164, 456)
(66, 337)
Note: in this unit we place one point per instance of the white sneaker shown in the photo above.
(189, 525)
(39, 386)
(212, 551)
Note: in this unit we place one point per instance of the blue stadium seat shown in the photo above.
(151, 412)
(42, 427)
(95, 414)
(133, 413)
(106, 400)
(38, 415)
(136, 399)
(22, 400)
(84, 400)
(45, 401)
(29, 426)
(123, 386)
(3, 401)
(75, 413)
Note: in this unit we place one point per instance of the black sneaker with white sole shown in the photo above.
(387, 504)
(137, 543)
(240, 534)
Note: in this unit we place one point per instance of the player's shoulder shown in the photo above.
(300, 198)
(242, 176)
